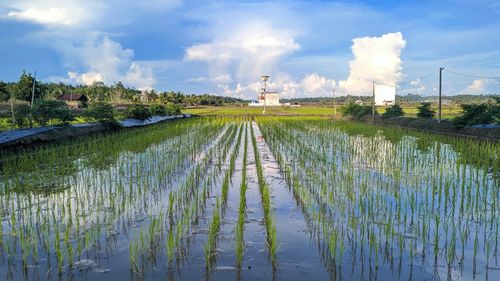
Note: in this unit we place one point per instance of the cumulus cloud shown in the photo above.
(139, 76)
(74, 28)
(478, 87)
(88, 78)
(252, 49)
(310, 85)
(375, 59)
(317, 85)
(107, 61)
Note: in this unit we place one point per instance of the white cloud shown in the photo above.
(251, 49)
(82, 13)
(88, 78)
(75, 29)
(220, 79)
(106, 60)
(478, 87)
(416, 82)
(317, 85)
(53, 12)
(139, 76)
(223, 78)
(311, 85)
(375, 59)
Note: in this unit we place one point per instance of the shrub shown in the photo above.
(474, 114)
(138, 111)
(425, 111)
(46, 110)
(22, 115)
(4, 92)
(174, 109)
(393, 111)
(356, 110)
(101, 112)
(158, 109)
(495, 109)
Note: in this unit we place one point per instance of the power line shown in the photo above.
(472, 76)
(428, 75)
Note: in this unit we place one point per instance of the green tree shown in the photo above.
(22, 115)
(393, 111)
(174, 109)
(24, 88)
(158, 109)
(474, 114)
(118, 91)
(173, 97)
(425, 110)
(98, 92)
(100, 112)
(355, 110)
(138, 111)
(4, 92)
(46, 110)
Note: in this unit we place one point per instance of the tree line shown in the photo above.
(35, 103)
(409, 98)
(23, 90)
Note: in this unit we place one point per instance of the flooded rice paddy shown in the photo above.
(252, 199)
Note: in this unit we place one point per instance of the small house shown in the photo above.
(74, 100)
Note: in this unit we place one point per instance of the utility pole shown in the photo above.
(33, 91)
(373, 101)
(440, 87)
(32, 100)
(12, 110)
(334, 103)
(264, 79)
(70, 101)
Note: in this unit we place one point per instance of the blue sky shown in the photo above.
(221, 47)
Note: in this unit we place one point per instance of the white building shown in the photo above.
(266, 98)
(385, 95)
(269, 99)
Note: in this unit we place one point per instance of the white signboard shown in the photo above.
(385, 95)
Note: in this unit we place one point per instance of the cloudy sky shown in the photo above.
(222, 47)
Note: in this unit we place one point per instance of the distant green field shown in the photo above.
(275, 110)
(448, 112)
(308, 110)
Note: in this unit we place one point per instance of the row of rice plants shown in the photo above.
(240, 224)
(210, 248)
(87, 216)
(352, 183)
(265, 195)
(185, 206)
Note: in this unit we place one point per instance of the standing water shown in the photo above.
(270, 199)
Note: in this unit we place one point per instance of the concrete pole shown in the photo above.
(373, 102)
(440, 87)
(334, 104)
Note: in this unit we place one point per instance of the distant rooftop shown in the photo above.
(72, 97)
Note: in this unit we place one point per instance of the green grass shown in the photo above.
(410, 111)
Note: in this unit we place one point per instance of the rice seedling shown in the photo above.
(371, 197)
(242, 206)
(419, 189)
(266, 203)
